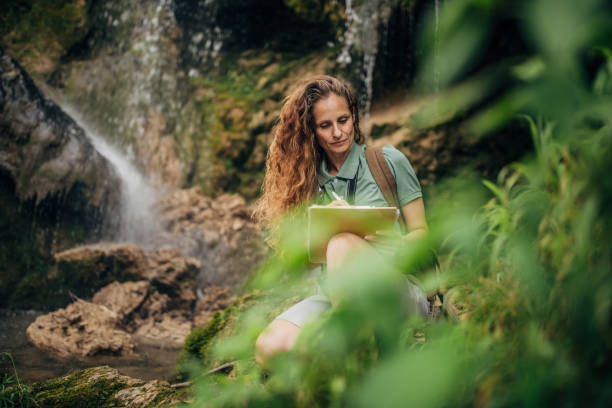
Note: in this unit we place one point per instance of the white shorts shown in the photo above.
(309, 309)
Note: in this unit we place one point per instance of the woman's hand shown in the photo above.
(387, 242)
(338, 203)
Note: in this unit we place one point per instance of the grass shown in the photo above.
(12, 392)
(525, 260)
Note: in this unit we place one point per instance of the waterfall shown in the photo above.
(152, 79)
(436, 63)
(203, 37)
(363, 21)
(138, 221)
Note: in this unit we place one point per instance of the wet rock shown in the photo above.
(156, 306)
(167, 330)
(87, 268)
(44, 151)
(219, 230)
(103, 387)
(123, 298)
(168, 265)
(150, 394)
(81, 329)
(152, 308)
(156, 151)
(55, 189)
(92, 266)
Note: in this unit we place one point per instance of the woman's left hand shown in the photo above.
(387, 242)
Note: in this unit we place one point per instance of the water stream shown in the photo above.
(149, 363)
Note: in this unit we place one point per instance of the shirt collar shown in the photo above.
(348, 168)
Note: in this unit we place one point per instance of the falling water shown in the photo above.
(204, 35)
(352, 19)
(137, 196)
(153, 79)
(363, 21)
(436, 67)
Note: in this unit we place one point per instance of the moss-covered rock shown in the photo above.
(197, 346)
(198, 341)
(102, 387)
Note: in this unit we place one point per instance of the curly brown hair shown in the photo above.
(294, 155)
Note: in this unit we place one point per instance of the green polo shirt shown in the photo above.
(367, 191)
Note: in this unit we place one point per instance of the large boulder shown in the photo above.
(123, 298)
(153, 304)
(88, 268)
(43, 151)
(82, 329)
(55, 190)
(103, 387)
(153, 318)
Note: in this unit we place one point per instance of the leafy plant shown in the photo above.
(527, 270)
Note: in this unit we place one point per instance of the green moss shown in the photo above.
(168, 397)
(35, 32)
(383, 130)
(236, 103)
(197, 343)
(97, 387)
(318, 11)
(87, 388)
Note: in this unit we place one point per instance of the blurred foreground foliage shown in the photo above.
(525, 260)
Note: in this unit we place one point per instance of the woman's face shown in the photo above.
(333, 125)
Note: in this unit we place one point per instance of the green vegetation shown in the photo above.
(237, 103)
(525, 258)
(317, 11)
(80, 389)
(94, 387)
(12, 392)
(198, 342)
(38, 33)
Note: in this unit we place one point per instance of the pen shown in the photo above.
(336, 196)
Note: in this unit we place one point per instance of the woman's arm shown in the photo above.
(414, 214)
(416, 225)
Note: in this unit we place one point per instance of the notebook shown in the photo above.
(324, 222)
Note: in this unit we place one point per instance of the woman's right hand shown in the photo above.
(338, 203)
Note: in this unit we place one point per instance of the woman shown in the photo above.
(318, 149)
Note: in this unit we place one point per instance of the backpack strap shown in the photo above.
(384, 178)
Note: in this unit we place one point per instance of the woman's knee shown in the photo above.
(280, 336)
(341, 245)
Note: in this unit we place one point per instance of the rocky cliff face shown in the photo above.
(56, 189)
